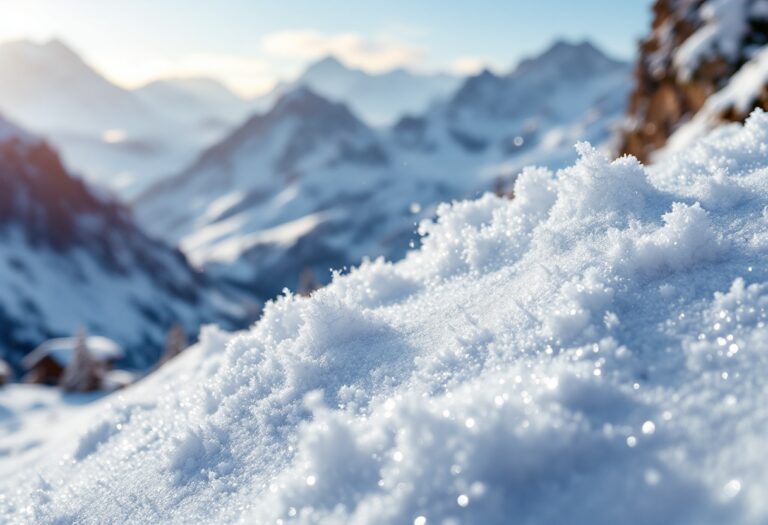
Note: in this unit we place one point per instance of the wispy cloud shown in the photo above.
(248, 74)
(468, 65)
(373, 54)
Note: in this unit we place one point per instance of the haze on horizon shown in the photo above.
(252, 45)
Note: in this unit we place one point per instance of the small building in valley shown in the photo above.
(76, 363)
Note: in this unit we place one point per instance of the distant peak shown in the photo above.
(302, 92)
(54, 48)
(329, 60)
(567, 47)
(326, 64)
(57, 43)
(581, 54)
(328, 69)
(303, 101)
(486, 73)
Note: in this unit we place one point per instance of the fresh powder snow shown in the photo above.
(592, 351)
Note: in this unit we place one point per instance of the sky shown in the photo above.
(251, 44)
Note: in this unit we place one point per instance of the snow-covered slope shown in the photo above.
(308, 186)
(592, 351)
(379, 99)
(111, 135)
(70, 258)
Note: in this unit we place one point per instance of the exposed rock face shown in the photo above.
(694, 49)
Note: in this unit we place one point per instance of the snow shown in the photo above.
(228, 251)
(739, 94)
(593, 349)
(724, 26)
(743, 88)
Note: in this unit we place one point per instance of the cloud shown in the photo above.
(372, 54)
(468, 65)
(247, 74)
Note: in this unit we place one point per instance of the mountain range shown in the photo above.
(125, 140)
(308, 186)
(120, 139)
(379, 99)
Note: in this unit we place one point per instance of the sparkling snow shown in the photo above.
(593, 351)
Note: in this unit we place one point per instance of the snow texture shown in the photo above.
(592, 351)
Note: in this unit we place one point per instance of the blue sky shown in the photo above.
(251, 44)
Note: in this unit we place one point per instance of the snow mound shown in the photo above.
(592, 351)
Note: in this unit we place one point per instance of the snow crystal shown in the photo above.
(592, 351)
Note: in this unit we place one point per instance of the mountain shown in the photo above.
(115, 137)
(572, 91)
(495, 124)
(308, 186)
(202, 102)
(305, 186)
(53, 89)
(378, 98)
(71, 257)
(703, 63)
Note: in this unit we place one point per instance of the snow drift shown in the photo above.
(594, 348)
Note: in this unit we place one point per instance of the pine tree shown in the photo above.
(175, 343)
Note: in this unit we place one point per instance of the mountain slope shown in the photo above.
(594, 349)
(379, 99)
(71, 258)
(704, 62)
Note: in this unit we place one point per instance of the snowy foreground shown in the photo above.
(593, 351)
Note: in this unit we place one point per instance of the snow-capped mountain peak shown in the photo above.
(563, 81)
(304, 103)
(329, 65)
(380, 98)
(278, 167)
